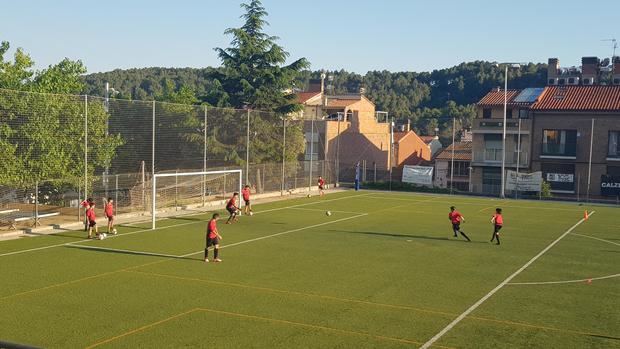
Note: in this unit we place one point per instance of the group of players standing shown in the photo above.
(234, 210)
(90, 219)
(456, 218)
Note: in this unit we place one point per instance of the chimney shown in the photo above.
(615, 80)
(315, 85)
(408, 125)
(590, 69)
(553, 70)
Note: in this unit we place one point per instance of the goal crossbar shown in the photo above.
(239, 173)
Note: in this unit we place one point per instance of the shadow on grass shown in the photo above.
(187, 218)
(131, 253)
(406, 236)
(605, 337)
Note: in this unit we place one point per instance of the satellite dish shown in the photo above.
(605, 62)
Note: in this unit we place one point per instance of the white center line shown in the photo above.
(498, 287)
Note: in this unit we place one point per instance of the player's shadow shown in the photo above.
(187, 218)
(131, 253)
(406, 236)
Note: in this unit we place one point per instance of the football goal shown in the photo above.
(180, 190)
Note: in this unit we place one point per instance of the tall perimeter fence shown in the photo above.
(56, 150)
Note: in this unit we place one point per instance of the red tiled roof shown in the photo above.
(584, 98)
(400, 135)
(496, 98)
(303, 97)
(462, 152)
(427, 139)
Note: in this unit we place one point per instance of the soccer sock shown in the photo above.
(216, 252)
(497, 236)
(493, 236)
(206, 253)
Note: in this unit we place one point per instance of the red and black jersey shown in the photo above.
(246, 194)
(499, 220)
(231, 203)
(455, 217)
(90, 214)
(212, 229)
(321, 182)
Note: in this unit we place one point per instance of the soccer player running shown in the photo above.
(109, 213)
(245, 192)
(498, 222)
(321, 184)
(456, 218)
(232, 208)
(213, 239)
(92, 221)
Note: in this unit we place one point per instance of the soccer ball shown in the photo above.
(251, 213)
(102, 236)
(114, 231)
(309, 195)
(328, 213)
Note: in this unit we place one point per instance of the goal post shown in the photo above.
(179, 188)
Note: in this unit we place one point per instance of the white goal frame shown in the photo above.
(180, 174)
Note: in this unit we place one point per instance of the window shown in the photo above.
(491, 180)
(559, 142)
(508, 113)
(614, 144)
(486, 113)
(524, 114)
(461, 168)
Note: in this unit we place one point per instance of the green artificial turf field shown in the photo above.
(383, 271)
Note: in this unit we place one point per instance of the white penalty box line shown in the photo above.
(154, 254)
(172, 226)
(469, 310)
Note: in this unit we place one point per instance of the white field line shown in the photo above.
(170, 226)
(320, 210)
(595, 238)
(564, 281)
(498, 287)
(281, 233)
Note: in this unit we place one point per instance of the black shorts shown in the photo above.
(92, 223)
(456, 226)
(231, 210)
(109, 217)
(212, 242)
(497, 228)
(320, 187)
(247, 202)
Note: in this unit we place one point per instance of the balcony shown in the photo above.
(496, 126)
(493, 157)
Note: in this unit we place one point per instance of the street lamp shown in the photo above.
(503, 174)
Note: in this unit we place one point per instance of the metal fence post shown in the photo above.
(311, 153)
(176, 190)
(247, 150)
(283, 155)
(36, 204)
(153, 189)
(85, 147)
(116, 194)
(204, 159)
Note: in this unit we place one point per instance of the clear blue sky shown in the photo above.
(356, 35)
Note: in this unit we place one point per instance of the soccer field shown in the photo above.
(383, 271)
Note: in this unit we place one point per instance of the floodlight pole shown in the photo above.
(204, 158)
(518, 158)
(282, 186)
(153, 184)
(311, 152)
(504, 132)
(247, 152)
(452, 160)
(590, 162)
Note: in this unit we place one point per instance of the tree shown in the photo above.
(253, 75)
(41, 135)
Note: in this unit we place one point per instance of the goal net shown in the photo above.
(182, 191)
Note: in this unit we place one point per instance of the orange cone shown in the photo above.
(585, 215)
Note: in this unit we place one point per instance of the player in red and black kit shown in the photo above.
(498, 223)
(213, 239)
(86, 205)
(456, 218)
(232, 208)
(109, 213)
(321, 184)
(245, 192)
(92, 220)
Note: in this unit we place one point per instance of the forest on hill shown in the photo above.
(429, 99)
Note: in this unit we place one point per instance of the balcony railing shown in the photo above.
(512, 125)
(492, 156)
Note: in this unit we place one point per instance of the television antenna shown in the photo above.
(614, 44)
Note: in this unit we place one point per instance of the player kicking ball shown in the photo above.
(245, 192)
(92, 221)
(213, 239)
(456, 218)
(233, 208)
(498, 222)
(321, 184)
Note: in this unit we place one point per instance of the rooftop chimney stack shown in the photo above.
(553, 70)
(590, 70)
(615, 79)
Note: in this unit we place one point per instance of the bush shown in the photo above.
(545, 190)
